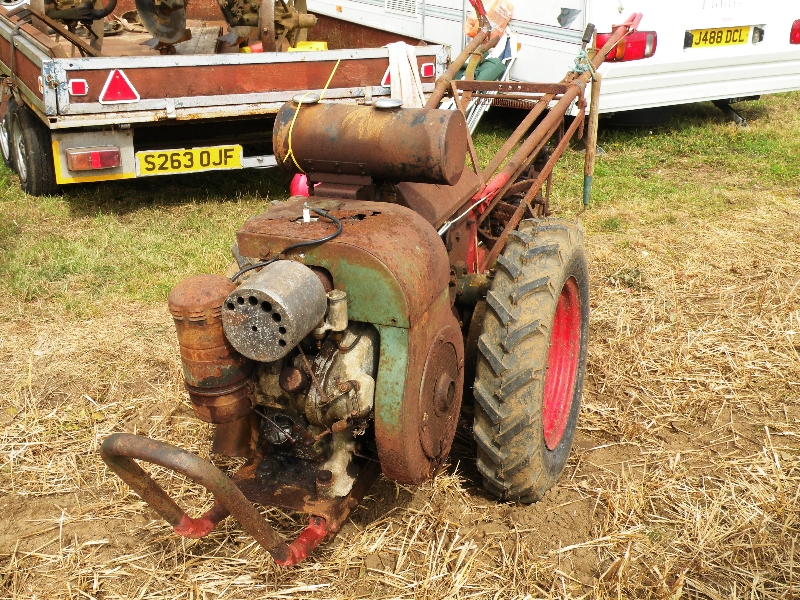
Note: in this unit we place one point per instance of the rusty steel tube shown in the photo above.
(532, 191)
(591, 140)
(443, 83)
(119, 451)
(555, 114)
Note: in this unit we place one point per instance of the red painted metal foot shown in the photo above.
(305, 543)
(203, 525)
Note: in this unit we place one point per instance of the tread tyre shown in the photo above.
(32, 153)
(5, 136)
(531, 360)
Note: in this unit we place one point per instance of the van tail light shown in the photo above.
(636, 46)
(89, 159)
(794, 35)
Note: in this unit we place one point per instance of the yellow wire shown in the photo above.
(290, 154)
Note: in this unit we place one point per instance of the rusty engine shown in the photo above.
(333, 352)
(334, 349)
(345, 342)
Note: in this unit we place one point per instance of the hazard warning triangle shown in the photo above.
(118, 89)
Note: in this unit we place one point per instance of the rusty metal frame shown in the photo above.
(547, 106)
(232, 497)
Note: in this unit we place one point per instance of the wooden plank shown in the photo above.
(54, 49)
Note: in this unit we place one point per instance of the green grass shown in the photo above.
(690, 163)
(123, 240)
(99, 243)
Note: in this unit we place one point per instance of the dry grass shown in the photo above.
(683, 482)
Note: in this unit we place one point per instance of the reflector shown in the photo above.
(78, 87)
(88, 159)
(118, 89)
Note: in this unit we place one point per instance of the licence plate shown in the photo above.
(724, 36)
(163, 162)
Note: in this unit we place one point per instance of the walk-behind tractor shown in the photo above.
(337, 347)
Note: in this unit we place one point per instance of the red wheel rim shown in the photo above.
(562, 364)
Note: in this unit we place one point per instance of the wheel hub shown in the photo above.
(22, 154)
(439, 400)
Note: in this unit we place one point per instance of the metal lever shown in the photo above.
(588, 34)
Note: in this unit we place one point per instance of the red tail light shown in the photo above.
(794, 35)
(88, 159)
(636, 46)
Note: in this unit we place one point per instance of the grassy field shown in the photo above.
(684, 477)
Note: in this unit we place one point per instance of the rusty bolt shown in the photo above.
(292, 380)
(352, 503)
(340, 426)
(324, 477)
(264, 252)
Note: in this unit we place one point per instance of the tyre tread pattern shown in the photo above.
(41, 179)
(512, 355)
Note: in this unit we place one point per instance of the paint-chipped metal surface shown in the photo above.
(388, 259)
(216, 376)
(402, 144)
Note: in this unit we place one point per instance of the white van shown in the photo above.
(685, 51)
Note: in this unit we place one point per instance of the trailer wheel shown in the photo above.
(5, 137)
(532, 359)
(32, 154)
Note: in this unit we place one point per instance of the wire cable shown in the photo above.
(447, 224)
(327, 238)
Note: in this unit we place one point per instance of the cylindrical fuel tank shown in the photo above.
(216, 376)
(396, 144)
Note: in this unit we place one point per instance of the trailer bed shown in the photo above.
(197, 99)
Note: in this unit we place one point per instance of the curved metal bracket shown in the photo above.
(119, 451)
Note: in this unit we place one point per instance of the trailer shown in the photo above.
(72, 114)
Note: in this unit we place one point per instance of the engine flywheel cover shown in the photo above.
(440, 399)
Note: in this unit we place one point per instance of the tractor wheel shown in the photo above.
(5, 136)
(33, 154)
(532, 359)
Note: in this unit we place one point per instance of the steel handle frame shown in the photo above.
(121, 450)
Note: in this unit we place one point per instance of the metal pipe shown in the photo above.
(119, 451)
(532, 191)
(443, 83)
(519, 132)
(555, 114)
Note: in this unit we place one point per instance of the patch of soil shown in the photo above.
(34, 524)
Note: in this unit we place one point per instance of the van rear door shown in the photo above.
(706, 50)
